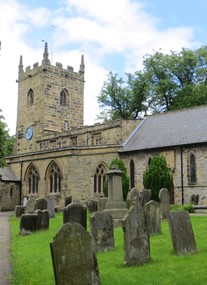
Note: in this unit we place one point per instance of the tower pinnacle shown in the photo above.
(82, 65)
(45, 55)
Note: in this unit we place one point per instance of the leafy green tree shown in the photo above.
(125, 179)
(122, 99)
(157, 176)
(6, 141)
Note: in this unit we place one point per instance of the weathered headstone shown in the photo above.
(68, 200)
(136, 236)
(75, 212)
(181, 233)
(92, 206)
(102, 203)
(153, 212)
(74, 256)
(51, 207)
(101, 224)
(28, 224)
(24, 201)
(43, 219)
(130, 197)
(30, 205)
(164, 197)
(19, 210)
(41, 204)
(145, 196)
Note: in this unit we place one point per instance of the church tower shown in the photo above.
(50, 100)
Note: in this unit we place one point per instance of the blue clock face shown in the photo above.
(29, 133)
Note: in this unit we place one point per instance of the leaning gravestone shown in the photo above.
(102, 229)
(19, 210)
(28, 224)
(41, 204)
(181, 233)
(134, 192)
(136, 236)
(164, 197)
(152, 210)
(30, 205)
(74, 257)
(75, 212)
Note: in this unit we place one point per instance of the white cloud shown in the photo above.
(95, 28)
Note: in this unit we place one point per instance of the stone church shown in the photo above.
(56, 155)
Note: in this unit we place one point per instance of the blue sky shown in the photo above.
(112, 36)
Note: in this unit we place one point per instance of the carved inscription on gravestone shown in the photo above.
(74, 257)
(181, 233)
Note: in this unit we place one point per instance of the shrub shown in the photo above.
(157, 176)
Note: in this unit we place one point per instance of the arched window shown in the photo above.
(192, 169)
(32, 179)
(99, 179)
(132, 173)
(30, 98)
(54, 178)
(64, 97)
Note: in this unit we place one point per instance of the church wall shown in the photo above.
(173, 157)
(9, 195)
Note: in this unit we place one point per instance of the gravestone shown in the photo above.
(102, 203)
(164, 197)
(181, 233)
(136, 236)
(24, 201)
(30, 205)
(92, 206)
(145, 196)
(19, 210)
(74, 257)
(130, 197)
(51, 207)
(28, 224)
(101, 224)
(75, 212)
(68, 200)
(41, 204)
(153, 212)
(43, 219)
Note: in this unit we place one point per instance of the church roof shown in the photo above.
(7, 174)
(173, 128)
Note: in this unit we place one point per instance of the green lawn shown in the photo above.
(32, 262)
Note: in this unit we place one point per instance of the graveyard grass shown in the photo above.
(32, 263)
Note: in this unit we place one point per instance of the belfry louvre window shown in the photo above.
(30, 98)
(33, 178)
(64, 97)
(54, 178)
(99, 179)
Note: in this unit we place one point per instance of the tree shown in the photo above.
(157, 176)
(121, 98)
(167, 82)
(125, 179)
(6, 141)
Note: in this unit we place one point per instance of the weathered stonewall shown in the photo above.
(181, 233)
(152, 210)
(136, 236)
(28, 224)
(74, 257)
(101, 224)
(75, 212)
(164, 197)
(41, 204)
